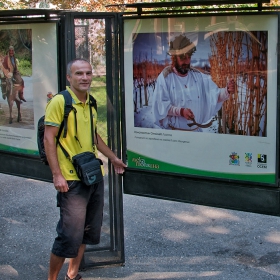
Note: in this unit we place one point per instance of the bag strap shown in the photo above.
(92, 127)
(92, 103)
(68, 107)
(63, 150)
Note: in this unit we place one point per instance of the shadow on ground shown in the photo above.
(163, 239)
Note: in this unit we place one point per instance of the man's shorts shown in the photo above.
(81, 214)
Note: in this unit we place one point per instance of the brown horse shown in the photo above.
(15, 87)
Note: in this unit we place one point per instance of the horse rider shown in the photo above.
(10, 73)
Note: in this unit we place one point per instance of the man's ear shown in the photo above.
(68, 78)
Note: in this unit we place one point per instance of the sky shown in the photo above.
(155, 46)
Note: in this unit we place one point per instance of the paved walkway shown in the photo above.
(163, 239)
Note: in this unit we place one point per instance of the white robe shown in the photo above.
(195, 91)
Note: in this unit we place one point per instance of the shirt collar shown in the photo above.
(74, 97)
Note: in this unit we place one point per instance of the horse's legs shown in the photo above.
(10, 103)
(4, 88)
(13, 92)
(10, 98)
(18, 108)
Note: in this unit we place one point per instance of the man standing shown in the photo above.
(81, 206)
(185, 98)
(12, 73)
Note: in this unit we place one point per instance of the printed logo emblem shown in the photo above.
(248, 159)
(262, 161)
(140, 162)
(234, 159)
(262, 158)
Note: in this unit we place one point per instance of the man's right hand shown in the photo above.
(60, 183)
(187, 113)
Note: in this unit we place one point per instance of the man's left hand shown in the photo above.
(231, 86)
(9, 75)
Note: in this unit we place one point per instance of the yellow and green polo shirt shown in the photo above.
(54, 116)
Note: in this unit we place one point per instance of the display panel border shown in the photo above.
(270, 182)
(44, 79)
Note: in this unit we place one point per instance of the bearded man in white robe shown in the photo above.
(185, 98)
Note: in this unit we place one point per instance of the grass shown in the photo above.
(98, 81)
(98, 89)
(25, 68)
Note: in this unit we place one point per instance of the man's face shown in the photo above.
(183, 62)
(11, 52)
(81, 76)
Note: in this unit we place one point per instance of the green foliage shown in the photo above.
(91, 32)
(25, 67)
(189, 9)
(99, 81)
(3, 46)
(21, 40)
(102, 5)
(99, 92)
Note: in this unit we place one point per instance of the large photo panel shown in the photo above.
(28, 77)
(200, 95)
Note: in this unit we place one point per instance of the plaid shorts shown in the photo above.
(81, 214)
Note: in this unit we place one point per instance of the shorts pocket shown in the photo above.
(72, 184)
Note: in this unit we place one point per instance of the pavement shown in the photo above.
(163, 239)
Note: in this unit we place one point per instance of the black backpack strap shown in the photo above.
(63, 150)
(93, 103)
(68, 107)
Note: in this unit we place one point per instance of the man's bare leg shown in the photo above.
(56, 264)
(74, 263)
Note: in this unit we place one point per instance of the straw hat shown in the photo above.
(181, 45)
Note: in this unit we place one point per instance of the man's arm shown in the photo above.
(119, 166)
(50, 146)
(181, 112)
(5, 63)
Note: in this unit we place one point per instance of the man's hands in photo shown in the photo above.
(187, 113)
(231, 86)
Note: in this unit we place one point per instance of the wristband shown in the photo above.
(182, 112)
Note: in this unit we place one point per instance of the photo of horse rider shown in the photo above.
(10, 75)
(12, 84)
